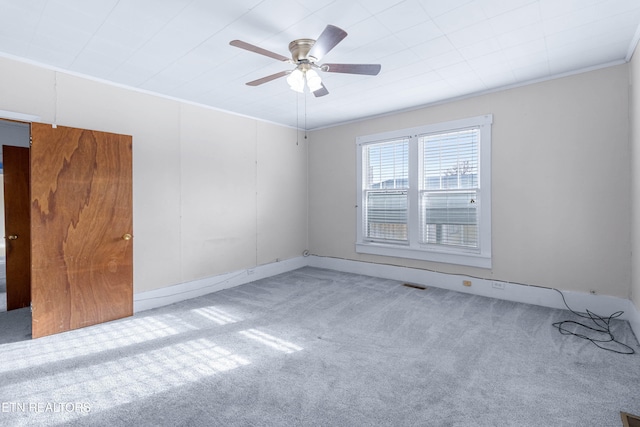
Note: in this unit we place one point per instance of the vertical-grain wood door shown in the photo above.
(81, 228)
(17, 229)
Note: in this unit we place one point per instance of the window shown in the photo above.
(425, 193)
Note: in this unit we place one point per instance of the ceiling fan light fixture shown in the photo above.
(296, 80)
(313, 80)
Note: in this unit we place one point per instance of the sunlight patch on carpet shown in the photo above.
(216, 315)
(270, 341)
(129, 379)
(94, 339)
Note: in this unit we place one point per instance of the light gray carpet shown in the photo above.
(320, 348)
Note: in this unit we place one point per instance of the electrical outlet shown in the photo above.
(498, 285)
(466, 282)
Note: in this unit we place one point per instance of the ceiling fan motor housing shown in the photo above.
(300, 50)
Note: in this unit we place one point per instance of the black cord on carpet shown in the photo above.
(602, 326)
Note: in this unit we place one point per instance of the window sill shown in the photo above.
(467, 259)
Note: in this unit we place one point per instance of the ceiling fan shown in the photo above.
(305, 54)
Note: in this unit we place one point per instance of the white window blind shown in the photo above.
(449, 190)
(425, 192)
(385, 187)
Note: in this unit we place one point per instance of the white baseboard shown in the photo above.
(602, 305)
(634, 319)
(183, 291)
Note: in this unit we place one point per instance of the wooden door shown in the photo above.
(17, 205)
(81, 227)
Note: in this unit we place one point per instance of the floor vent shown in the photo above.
(629, 420)
(410, 285)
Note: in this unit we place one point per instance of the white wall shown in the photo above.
(634, 118)
(214, 192)
(561, 183)
(204, 180)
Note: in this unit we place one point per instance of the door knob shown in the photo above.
(127, 236)
(12, 237)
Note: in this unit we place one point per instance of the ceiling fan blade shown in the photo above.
(329, 38)
(268, 78)
(256, 49)
(367, 69)
(321, 92)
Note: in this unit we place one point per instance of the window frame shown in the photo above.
(413, 249)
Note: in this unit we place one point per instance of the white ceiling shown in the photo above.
(430, 50)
